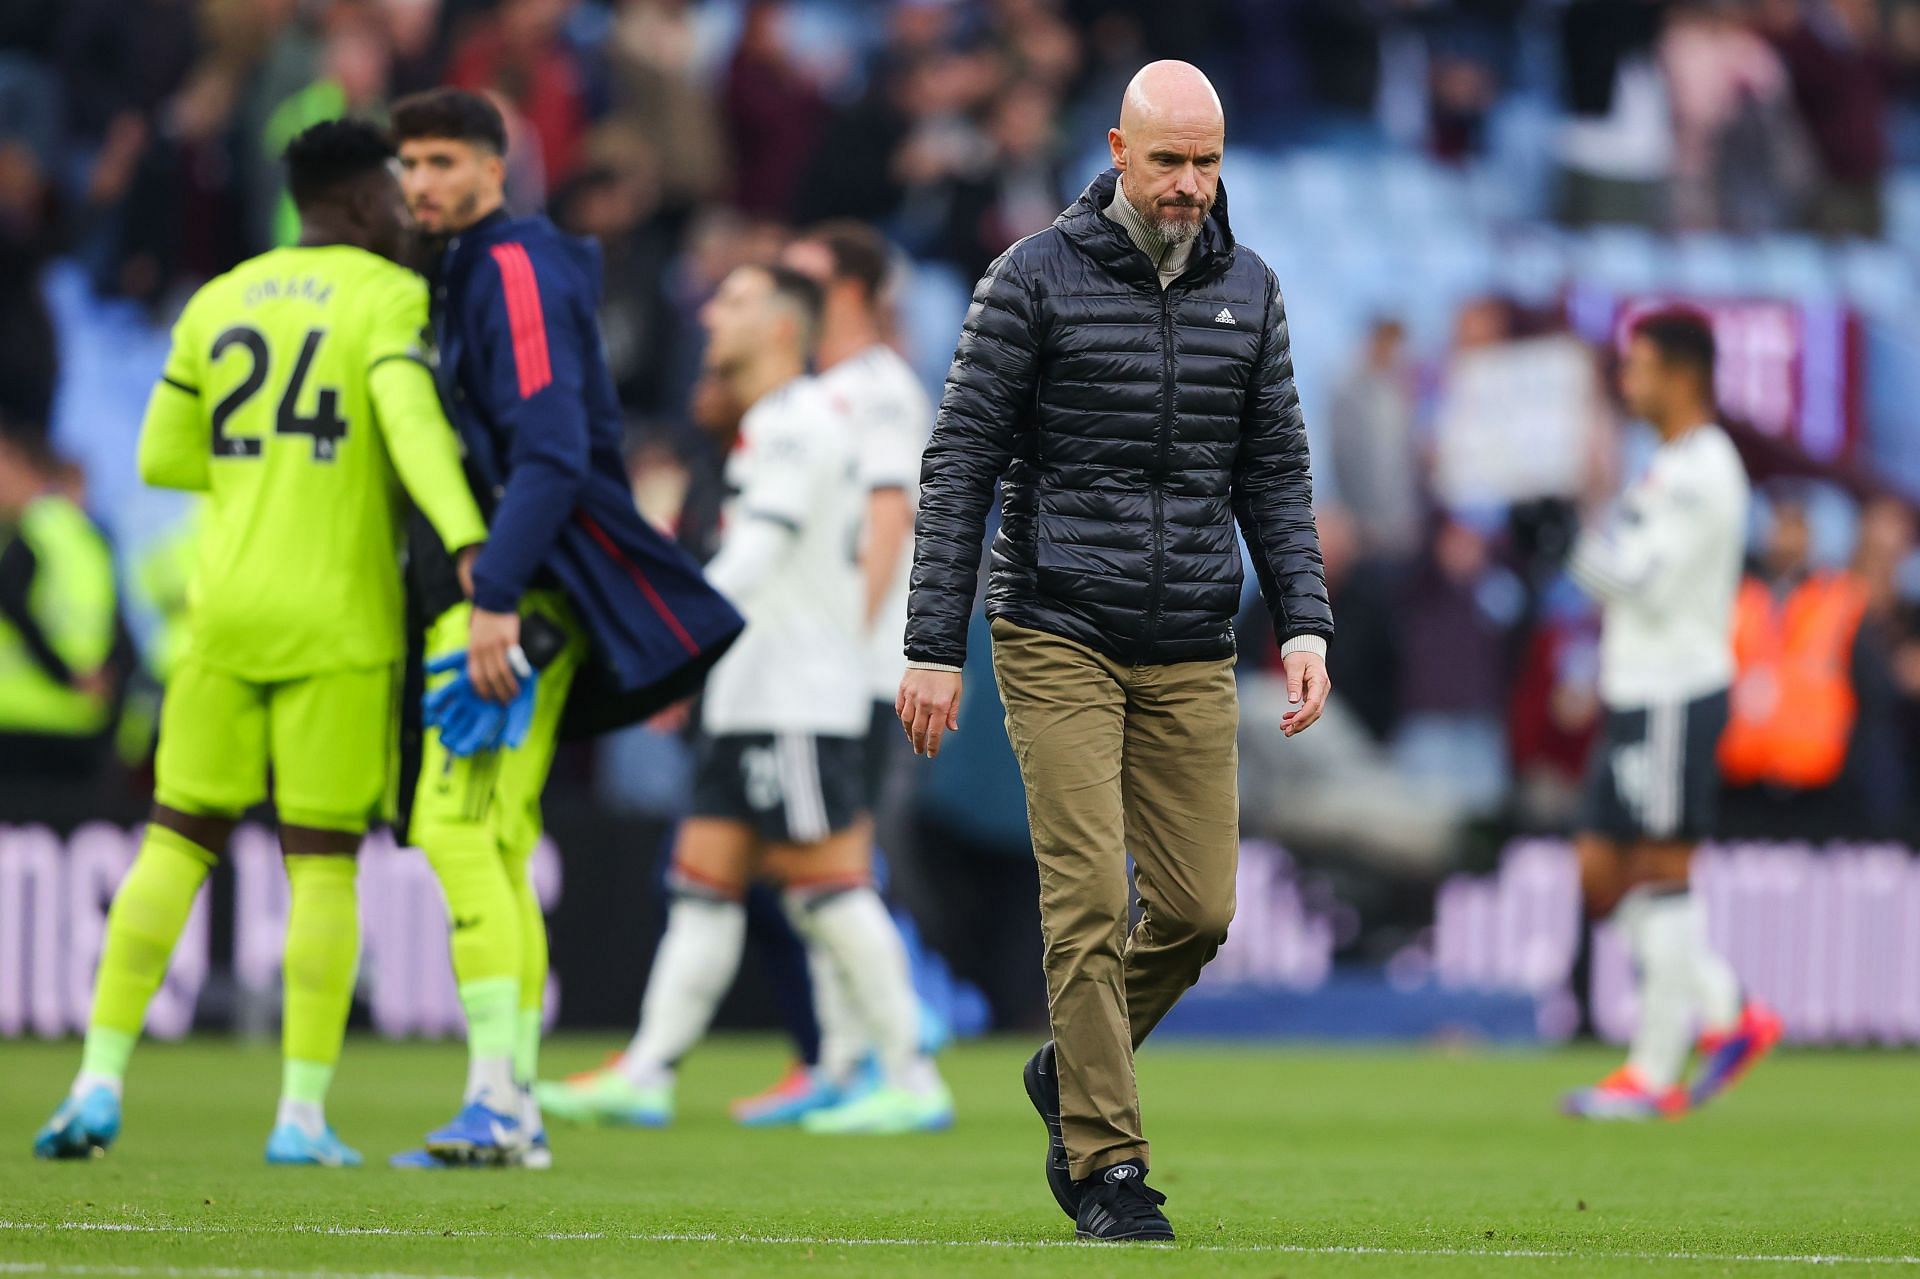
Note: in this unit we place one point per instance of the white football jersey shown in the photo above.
(1667, 574)
(800, 665)
(892, 418)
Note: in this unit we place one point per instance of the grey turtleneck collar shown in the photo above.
(1169, 259)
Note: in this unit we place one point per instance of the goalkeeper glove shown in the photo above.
(470, 723)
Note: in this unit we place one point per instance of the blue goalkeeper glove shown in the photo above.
(470, 723)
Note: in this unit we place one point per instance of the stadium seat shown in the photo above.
(1715, 265)
(1793, 266)
(1624, 259)
(1876, 278)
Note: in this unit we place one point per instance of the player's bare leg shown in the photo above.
(692, 971)
(831, 899)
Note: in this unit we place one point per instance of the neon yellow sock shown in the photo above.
(305, 1081)
(533, 972)
(149, 913)
(526, 1046)
(322, 957)
(492, 1004)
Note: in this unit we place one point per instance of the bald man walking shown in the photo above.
(1123, 376)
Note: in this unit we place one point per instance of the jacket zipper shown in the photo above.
(1159, 553)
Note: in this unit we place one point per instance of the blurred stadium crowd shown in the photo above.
(1462, 199)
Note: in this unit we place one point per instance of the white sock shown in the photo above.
(86, 1081)
(531, 1121)
(490, 1082)
(852, 929)
(1659, 933)
(843, 1038)
(310, 1117)
(1716, 991)
(692, 970)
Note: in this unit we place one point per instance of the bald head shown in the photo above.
(1171, 93)
(1168, 145)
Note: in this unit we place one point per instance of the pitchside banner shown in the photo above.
(54, 895)
(1829, 936)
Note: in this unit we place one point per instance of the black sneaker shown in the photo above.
(1117, 1204)
(1043, 1090)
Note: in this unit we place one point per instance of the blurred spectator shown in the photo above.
(1457, 621)
(1461, 91)
(1881, 756)
(59, 623)
(1615, 146)
(29, 360)
(656, 91)
(1813, 695)
(1367, 593)
(851, 173)
(774, 112)
(1017, 192)
(616, 200)
(350, 79)
(518, 53)
(943, 143)
(1374, 460)
(1554, 713)
(1842, 81)
(1041, 50)
(1740, 158)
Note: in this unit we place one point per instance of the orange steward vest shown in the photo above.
(1793, 704)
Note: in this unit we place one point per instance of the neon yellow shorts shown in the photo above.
(497, 792)
(329, 739)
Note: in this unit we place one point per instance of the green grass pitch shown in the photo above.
(1279, 1162)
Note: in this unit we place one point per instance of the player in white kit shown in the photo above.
(1666, 573)
(777, 788)
(868, 382)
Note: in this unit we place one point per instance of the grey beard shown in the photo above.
(1175, 230)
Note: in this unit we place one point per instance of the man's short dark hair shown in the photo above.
(452, 114)
(332, 153)
(859, 252)
(1684, 339)
(801, 292)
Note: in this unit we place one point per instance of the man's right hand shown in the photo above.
(929, 708)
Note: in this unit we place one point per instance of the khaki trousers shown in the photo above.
(1120, 759)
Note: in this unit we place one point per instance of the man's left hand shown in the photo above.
(490, 638)
(1307, 689)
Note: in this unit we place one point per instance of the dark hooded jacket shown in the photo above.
(1129, 429)
(524, 381)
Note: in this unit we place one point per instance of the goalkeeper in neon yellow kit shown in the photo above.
(297, 399)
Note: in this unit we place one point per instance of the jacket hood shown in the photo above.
(1086, 224)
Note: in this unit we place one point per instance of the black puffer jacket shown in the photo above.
(1129, 429)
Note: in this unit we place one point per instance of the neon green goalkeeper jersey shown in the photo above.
(297, 398)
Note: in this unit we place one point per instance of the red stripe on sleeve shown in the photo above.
(524, 318)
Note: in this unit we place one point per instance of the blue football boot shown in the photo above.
(290, 1146)
(81, 1127)
(479, 1135)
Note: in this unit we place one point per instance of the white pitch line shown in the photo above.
(203, 1272)
(828, 1241)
